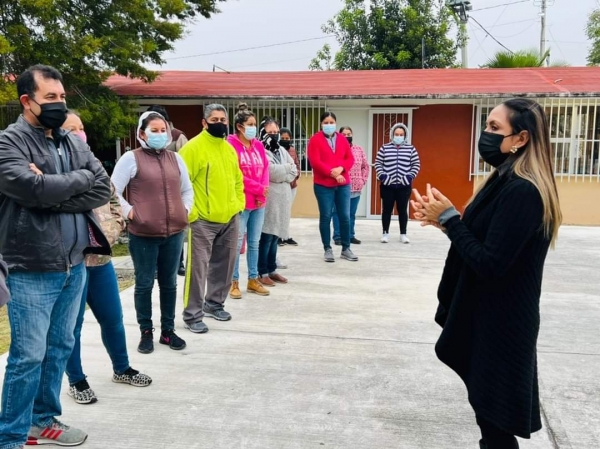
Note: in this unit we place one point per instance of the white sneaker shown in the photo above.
(281, 265)
(385, 238)
(404, 238)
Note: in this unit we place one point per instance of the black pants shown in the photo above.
(395, 196)
(495, 438)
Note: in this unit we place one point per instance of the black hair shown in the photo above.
(286, 131)
(344, 128)
(326, 114)
(242, 116)
(160, 110)
(151, 117)
(26, 84)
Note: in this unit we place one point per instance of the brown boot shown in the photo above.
(234, 291)
(254, 286)
(266, 281)
(276, 277)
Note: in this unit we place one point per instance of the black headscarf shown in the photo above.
(269, 143)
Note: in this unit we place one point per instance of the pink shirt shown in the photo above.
(255, 168)
(359, 173)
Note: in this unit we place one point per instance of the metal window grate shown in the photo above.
(301, 117)
(574, 135)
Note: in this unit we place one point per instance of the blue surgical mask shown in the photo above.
(249, 132)
(156, 141)
(398, 140)
(329, 129)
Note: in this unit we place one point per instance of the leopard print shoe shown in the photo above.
(82, 393)
(132, 377)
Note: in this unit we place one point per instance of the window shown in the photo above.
(574, 135)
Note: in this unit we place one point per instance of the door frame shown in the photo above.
(400, 110)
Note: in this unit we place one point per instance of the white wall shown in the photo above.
(358, 120)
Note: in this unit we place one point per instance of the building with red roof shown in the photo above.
(443, 109)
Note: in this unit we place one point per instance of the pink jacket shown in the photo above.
(255, 168)
(359, 173)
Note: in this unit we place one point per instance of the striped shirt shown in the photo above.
(397, 165)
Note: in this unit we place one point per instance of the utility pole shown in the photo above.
(461, 8)
(543, 34)
(543, 4)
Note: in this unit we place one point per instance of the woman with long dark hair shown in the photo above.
(490, 289)
(331, 159)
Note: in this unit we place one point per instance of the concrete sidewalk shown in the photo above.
(342, 357)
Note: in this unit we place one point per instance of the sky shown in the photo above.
(273, 24)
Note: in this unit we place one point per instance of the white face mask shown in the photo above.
(399, 140)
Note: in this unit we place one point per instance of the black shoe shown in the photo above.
(181, 271)
(281, 242)
(337, 242)
(291, 242)
(482, 444)
(355, 241)
(171, 339)
(146, 345)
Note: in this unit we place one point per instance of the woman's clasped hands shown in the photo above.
(428, 208)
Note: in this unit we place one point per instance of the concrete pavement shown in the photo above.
(342, 357)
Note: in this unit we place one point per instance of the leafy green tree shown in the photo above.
(521, 58)
(593, 34)
(89, 40)
(389, 34)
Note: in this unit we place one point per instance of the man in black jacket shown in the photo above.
(49, 184)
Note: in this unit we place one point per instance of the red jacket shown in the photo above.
(323, 159)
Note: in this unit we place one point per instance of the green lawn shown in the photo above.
(5, 328)
(119, 250)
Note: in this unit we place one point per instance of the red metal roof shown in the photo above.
(440, 83)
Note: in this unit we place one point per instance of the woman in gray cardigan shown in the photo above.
(282, 171)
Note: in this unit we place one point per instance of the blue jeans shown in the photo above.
(101, 292)
(42, 315)
(336, 220)
(267, 254)
(152, 255)
(251, 223)
(327, 198)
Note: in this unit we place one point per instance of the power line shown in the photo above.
(500, 6)
(490, 35)
(251, 48)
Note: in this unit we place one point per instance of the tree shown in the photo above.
(389, 34)
(89, 40)
(593, 34)
(521, 58)
(323, 60)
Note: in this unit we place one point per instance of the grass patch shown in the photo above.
(124, 284)
(4, 331)
(120, 250)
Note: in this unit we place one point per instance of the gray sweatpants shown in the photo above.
(212, 249)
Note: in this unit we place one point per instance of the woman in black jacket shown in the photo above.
(490, 289)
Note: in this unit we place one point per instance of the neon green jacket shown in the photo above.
(216, 177)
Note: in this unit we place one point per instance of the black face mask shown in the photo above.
(53, 115)
(349, 139)
(285, 144)
(217, 129)
(489, 148)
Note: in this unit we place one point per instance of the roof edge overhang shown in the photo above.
(375, 97)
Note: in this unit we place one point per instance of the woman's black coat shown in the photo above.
(489, 301)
